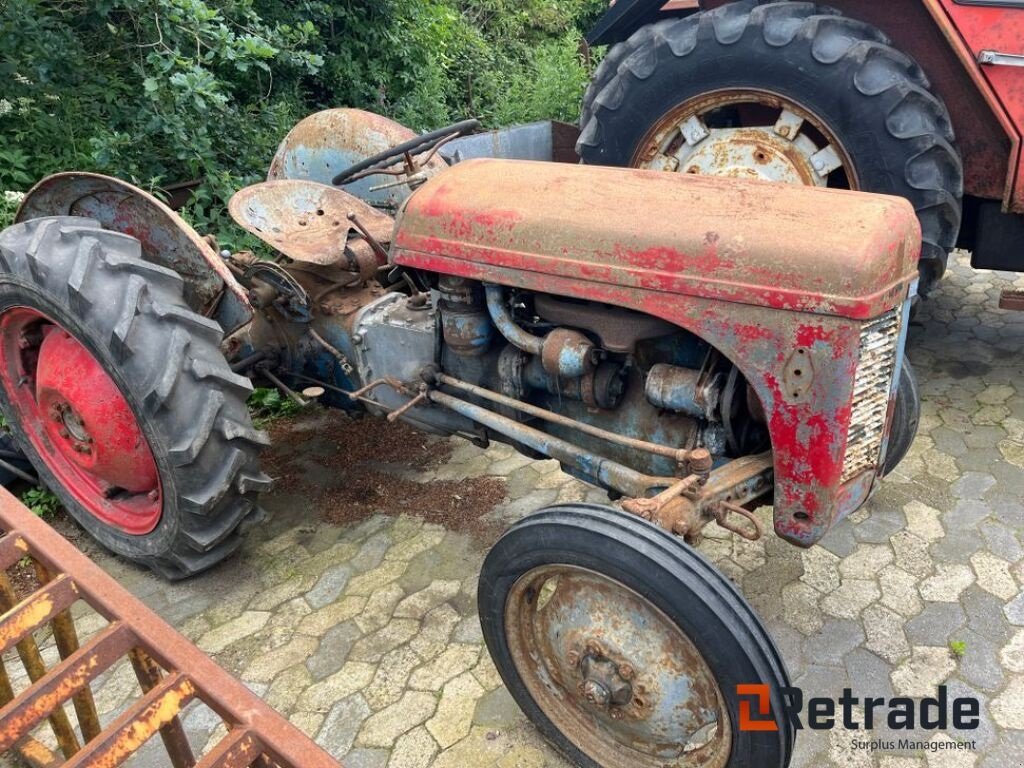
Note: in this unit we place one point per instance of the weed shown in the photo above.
(41, 501)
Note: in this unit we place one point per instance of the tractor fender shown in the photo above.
(166, 238)
(325, 143)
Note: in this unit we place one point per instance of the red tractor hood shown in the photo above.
(828, 252)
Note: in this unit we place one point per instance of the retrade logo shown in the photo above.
(854, 713)
(756, 707)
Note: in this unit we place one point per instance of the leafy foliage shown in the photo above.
(161, 91)
(267, 404)
(41, 501)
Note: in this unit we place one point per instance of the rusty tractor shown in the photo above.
(696, 356)
(916, 98)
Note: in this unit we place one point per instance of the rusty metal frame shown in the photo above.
(170, 670)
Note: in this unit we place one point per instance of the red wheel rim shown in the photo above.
(78, 421)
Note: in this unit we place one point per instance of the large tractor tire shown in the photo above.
(625, 647)
(120, 397)
(787, 91)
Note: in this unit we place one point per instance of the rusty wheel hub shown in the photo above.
(613, 673)
(748, 135)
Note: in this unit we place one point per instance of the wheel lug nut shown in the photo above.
(153, 495)
(626, 671)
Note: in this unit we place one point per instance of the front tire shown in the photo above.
(624, 646)
(728, 68)
(120, 397)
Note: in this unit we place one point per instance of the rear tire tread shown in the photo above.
(170, 362)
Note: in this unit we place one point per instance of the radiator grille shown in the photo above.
(875, 368)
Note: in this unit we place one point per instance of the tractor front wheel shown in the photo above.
(120, 397)
(625, 647)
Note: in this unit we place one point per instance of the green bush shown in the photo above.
(161, 91)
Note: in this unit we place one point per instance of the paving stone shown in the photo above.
(921, 674)
(979, 666)
(329, 586)
(361, 757)
(899, 591)
(832, 642)
(392, 674)
(885, 636)
(265, 668)
(1008, 707)
(219, 638)
(369, 582)
(986, 734)
(1001, 541)
(865, 562)
(415, 606)
(1012, 654)
(912, 554)
(840, 540)
(985, 615)
(351, 678)
(454, 715)
(852, 597)
(972, 485)
(287, 687)
(869, 673)
(497, 709)
(281, 593)
(924, 521)
(371, 552)
(948, 583)
(415, 749)
(379, 608)
(318, 622)
(994, 575)
(433, 636)
(381, 729)
(881, 525)
(333, 650)
(452, 662)
(390, 636)
(1014, 611)
(341, 725)
(800, 603)
(821, 569)
(937, 757)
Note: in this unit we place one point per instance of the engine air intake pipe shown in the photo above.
(563, 352)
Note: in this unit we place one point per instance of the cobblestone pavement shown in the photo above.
(366, 635)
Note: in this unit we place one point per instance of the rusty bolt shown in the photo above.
(596, 693)
(626, 671)
(594, 649)
(784, 131)
(616, 714)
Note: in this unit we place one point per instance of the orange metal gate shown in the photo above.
(172, 673)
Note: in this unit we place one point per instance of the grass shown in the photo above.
(958, 648)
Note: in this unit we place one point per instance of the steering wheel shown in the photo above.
(404, 152)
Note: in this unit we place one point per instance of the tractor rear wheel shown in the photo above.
(625, 647)
(790, 92)
(120, 397)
